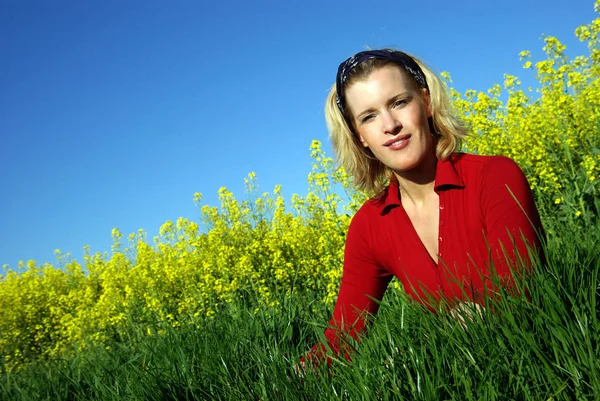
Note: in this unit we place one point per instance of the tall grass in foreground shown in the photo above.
(544, 349)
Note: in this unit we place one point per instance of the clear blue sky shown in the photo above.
(113, 113)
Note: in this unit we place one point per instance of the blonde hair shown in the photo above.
(368, 172)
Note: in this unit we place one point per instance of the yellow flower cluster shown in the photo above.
(254, 251)
(552, 132)
(250, 252)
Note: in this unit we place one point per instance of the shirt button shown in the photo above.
(441, 207)
(440, 238)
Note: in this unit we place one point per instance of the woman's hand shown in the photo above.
(466, 311)
(299, 369)
(389, 363)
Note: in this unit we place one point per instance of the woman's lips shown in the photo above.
(398, 142)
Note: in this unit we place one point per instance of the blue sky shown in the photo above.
(113, 113)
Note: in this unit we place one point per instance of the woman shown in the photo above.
(442, 222)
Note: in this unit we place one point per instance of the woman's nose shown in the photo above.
(390, 123)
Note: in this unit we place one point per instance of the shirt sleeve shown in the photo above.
(512, 221)
(363, 284)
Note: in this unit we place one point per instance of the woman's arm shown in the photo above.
(363, 284)
(511, 217)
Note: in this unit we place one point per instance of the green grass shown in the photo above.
(546, 349)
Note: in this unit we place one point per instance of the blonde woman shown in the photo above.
(439, 220)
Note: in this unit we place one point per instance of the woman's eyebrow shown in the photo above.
(398, 96)
(369, 110)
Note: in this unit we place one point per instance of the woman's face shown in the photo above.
(390, 114)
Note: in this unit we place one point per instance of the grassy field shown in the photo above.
(544, 349)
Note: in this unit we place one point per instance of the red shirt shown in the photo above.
(477, 215)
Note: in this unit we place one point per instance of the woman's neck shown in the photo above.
(417, 185)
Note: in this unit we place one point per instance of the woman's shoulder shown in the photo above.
(371, 209)
(483, 165)
(483, 161)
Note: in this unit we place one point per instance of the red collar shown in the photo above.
(446, 177)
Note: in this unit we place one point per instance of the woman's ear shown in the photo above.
(360, 137)
(427, 100)
(362, 140)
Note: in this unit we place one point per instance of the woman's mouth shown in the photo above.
(398, 143)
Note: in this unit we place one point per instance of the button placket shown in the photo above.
(441, 225)
(440, 234)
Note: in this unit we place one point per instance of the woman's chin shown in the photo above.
(404, 165)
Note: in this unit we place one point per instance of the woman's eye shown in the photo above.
(367, 118)
(401, 102)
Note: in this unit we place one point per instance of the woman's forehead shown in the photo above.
(382, 83)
